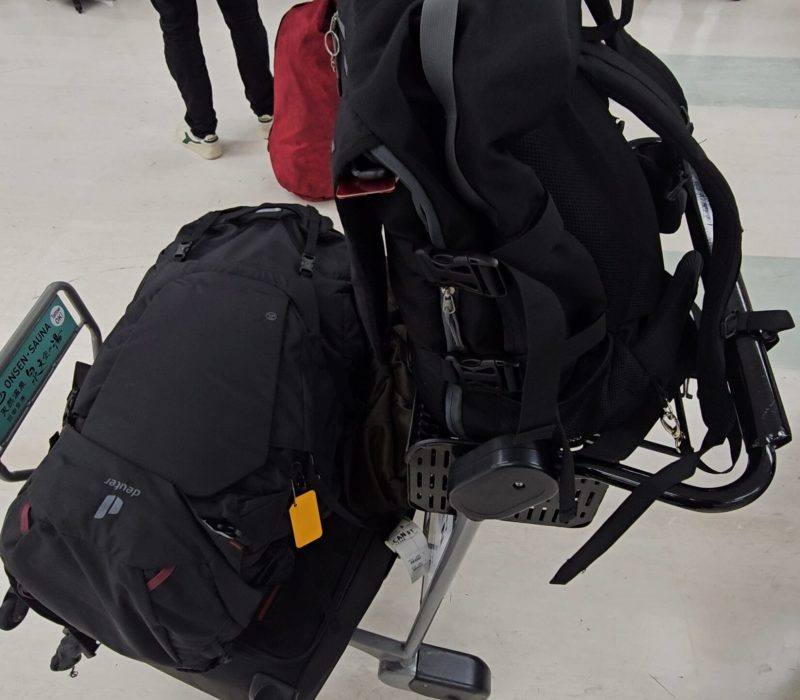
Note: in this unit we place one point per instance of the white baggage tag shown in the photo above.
(408, 541)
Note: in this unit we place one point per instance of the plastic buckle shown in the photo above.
(473, 272)
(307, 265)
(487, 374)
(731, 325)
(182, 250)
(735, 323)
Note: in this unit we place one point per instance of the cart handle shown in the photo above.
(29, 358)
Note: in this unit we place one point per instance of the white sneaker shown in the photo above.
(265, 122)
(209, 147)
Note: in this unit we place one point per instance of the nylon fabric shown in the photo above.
(232, 383)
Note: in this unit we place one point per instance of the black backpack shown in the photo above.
(159, 523)
(523, 231)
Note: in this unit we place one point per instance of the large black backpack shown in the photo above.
(523, 230)
(159, 524)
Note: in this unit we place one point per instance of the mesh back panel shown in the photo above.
(598, 186)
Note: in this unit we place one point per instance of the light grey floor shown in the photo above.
(686, 606)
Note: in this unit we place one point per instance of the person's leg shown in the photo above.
(186, 62)
(252, 52)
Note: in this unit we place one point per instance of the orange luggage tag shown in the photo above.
(305, 517)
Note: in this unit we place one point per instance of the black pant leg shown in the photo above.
(186, 62)
(252, 52)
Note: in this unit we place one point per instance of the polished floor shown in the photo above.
(686, 606)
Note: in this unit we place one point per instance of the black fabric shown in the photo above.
(607, 24)
(232, 383)
(12, 611)
(294, 645)
(756, 322)
(520, 158)
(629, 86)
(67, 655)
(187, 65)
(667, 179)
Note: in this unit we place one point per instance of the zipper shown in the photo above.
(452, 328)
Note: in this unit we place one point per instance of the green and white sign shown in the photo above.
(34, 358)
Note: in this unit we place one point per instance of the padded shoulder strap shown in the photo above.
(607, 24)
(613, 32)
(437, 44)
(624, 83)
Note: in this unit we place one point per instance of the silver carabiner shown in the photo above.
(670, 423)
(332, 43)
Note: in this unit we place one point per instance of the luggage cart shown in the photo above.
(40, 343)
(433, 475)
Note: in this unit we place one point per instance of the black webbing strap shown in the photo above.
(626, 515)
(545, 335)
(362, 222)
(756, 323)
(567, 505)
(192, 232)
(640, 499)
(607, 24)
(630, 87)
(313, 225)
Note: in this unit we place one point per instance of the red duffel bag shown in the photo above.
(306, 100)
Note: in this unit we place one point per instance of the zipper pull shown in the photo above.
(448, 301)
(452, 329)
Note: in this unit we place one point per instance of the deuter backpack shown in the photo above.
(523, 239)
(228, 394)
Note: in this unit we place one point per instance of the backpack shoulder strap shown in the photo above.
(612, 30)
(620, 80)
(437, 38)
(608, 25)
(623, 82)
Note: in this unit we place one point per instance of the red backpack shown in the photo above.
(306, 101)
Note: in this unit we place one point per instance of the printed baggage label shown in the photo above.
(36, 356)
(408, 541)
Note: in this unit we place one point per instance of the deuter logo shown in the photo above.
(111, 505)
(119, 486)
